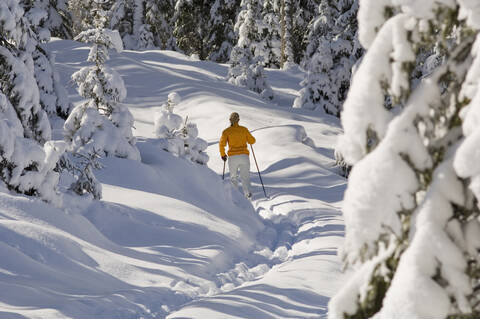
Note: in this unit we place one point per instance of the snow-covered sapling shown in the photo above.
(194, 146)
(343, 166)
(101, 124)
(182, 141)
(166, 122)
(80, 167)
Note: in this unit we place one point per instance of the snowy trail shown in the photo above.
(294, 153)
(303, 213)
(169, 240)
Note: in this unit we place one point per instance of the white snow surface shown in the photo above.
(170, 239)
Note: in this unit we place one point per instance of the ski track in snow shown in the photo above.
(170, 239)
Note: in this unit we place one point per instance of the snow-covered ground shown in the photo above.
(170, 239)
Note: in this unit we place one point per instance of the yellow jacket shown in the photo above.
(237, 137)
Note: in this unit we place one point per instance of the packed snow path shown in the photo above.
(170, 239)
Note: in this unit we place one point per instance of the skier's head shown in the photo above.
(234, 118)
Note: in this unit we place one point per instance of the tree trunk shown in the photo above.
(283, 25)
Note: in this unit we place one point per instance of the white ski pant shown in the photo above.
(239, 166)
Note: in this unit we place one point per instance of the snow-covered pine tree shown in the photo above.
(142, 32)
(411, 208)
(275, 43)
(159, 16)
(27, 157)
(192, 27)
(221, 28)
(101, 125)
(126, 17)
(53, 96)
(121, 19)
(48, 17)
(60, 19)
(323, 24)
(144, 24)
(270, 29)
(37, 13)
(304, 13)
(19, 44)
(82, 18)
(139, 22)
(246, 68)
(332, 51)
(121, 15)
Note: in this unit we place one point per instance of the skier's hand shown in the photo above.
(224, 158)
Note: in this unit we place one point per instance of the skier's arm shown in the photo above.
(250, 138)
(222, 144)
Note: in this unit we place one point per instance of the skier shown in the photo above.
(238, 156)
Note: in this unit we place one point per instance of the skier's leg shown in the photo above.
(233, 168)
(245, 175)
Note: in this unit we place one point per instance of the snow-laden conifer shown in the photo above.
(178, 136)
(27, 157)
(143, 24)
(246, 69)
(60, 19)
(159, 17)
(270, 29)
(101, 125)
(221, 28)
(304, 13)
(123, 18)
(192, 26)
(81, 11)
(411, 207)
(18, 83)
(130, 18)
(331, 53)
(48, 17)
(53, 96)
(141, 30)
(206, 28)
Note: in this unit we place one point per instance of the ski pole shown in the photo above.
(223, 175)
(261, 181)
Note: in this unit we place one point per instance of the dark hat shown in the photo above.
(234, 117)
